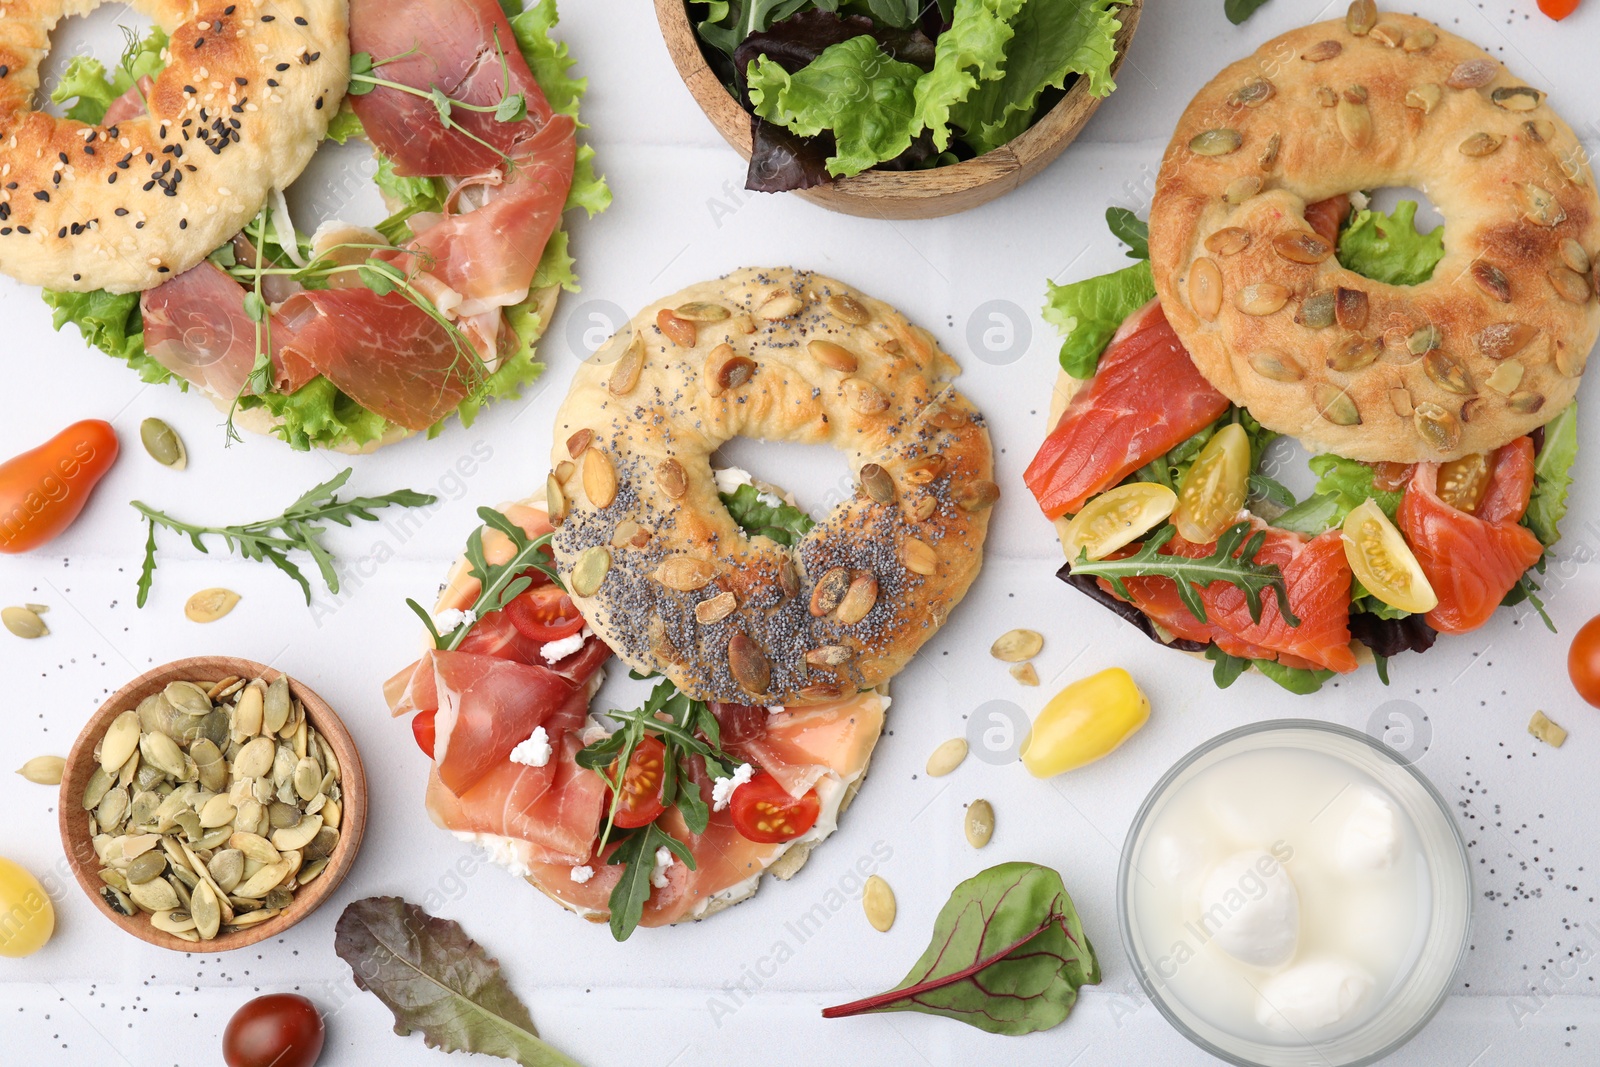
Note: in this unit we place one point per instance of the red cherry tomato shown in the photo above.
(1558, 10)
(641, 784)
(422, 729)
(277, 1030)
(763, 811)
(44, 489)
(544, 613)
(1583, 661)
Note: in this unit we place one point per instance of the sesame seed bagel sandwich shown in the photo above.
(1433, 373)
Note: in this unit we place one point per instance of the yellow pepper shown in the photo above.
(1086, 720)
(27, 918)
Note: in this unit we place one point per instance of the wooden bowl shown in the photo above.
(81, 764)
(908, 194)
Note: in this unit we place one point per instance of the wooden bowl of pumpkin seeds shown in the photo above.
(212, 803)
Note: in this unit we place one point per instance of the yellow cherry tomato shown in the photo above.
(1383, 562)
(1215, 487)
(27, 918)
(1116, 517)
(1464, 482)
(1086, 720)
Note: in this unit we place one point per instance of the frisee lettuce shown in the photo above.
(1087, 313)
(1388, 248)
(318, 414)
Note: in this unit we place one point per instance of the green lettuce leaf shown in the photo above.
(319, 415)
(112, 324)
(345, 125)
(1052, 42)
(1388, 248)
(972, 49)
(1087, 313)
(92, 88)
(1552, 474)
(1295, 679)
(854, 89)
(783, 524)
(1342, 485)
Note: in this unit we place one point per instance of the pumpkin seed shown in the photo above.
(1014, 646)
(1228, 240)
(779, 306)
(1205, 288)
(1276, 366)
(590, 570)
(830, 656)
(43, 770)
(979, 823)
(1541, 727)
(1447, 373)
(1354, 121)
(1335, 405)
(1219, 142)
(1253, 93)
(255, 847)
(1517, 97)
(1326, 96)
(685, 574)
(118, 901)
(1491, 280)
(1424, 98)
(1569, 285)
(1440, 429)
(877, 483)
(263, 881)
(163, 444)
(255, 758)
(726, 370)
(332, 812)
(715, 609)
(1424, 339)
(858, 599)
(24, 623)
(209, 605)
(1322, 51)
(1350, 308)
(877, 900)
(864, 398)
(1419, 41)
(1526, 402)
(848, 309)
(599, 478)
(671, 478)
(154, 895)
(275, 709)
(1481, 144)
(145, 867)
(1025, 674)
(1316, 310)
(701, 311)
(249, 715)
(173, 922)
(625, 375)
(1302, 246)
(1269, 154)
(681, 332)
(253, 918)
(1540, 205)
(311, 870)
(919, 557)
(833, 356)
(226, 868)
(1573, 255)
(1502, 339)
(1241, 189)
(1473, 74)
(1387, 34)
(1261, 298)
(218, 811)
(121, 740)
(1571, 359)
(1361, 17)
(749, 664)
(163, 753)
(978, 496)
(1506, 377)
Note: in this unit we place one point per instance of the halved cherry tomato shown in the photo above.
(1583, 661)
(43, 490)
(641, 784)
(764, 812)
(1116, 517)
(1464, 482)
(1383, 561)
(1215, 487)
(544, 613)
(422, 728)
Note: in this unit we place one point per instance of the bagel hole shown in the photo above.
(102, 34)
(817, 476)
(337, 185)
(1286, 462)
(1385, 199)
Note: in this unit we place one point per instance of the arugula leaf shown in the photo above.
(298, 528)
(498, 583)
(854, 89)
(1228, 562)
(1087, 313)
(1008, 956)
(783, 524)
(1131, 230)
(1239, 10)
(1271, 490)
(1552, 474)
(637, 854)
(1388, 248)
(1051, 43)
(436, 979)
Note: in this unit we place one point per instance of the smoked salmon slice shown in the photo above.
(1472, 560)
(1145, 398)
(1317, 576)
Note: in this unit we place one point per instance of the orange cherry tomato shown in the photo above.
(1558, 10)
(641, 784)
(1583, 661)
(43, 490)
(422, 728)
(764, 812)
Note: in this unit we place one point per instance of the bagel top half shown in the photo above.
(658, 566)
(1487, 349)
(245, 98)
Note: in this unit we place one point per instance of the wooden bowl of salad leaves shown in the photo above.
(876, 115)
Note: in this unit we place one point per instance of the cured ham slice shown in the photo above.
(131, 104)
(384, 352)
(458, 47)
(799, 746)
(486, 707)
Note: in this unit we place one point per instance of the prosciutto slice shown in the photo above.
(195, 326)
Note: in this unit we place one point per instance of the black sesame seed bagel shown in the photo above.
(660, 569)
(1487, 349)
(243, 102)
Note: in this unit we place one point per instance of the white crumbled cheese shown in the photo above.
(775, 709)
(450, 618)
(505, 852)
(535, 751)
(1359, 200)
(729, 479)
(582, 874)
(658, 877)
(722, 789)
(556, 651)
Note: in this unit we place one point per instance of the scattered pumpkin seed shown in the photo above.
(209, 605)
(1544, 729)
(1025, 673)
(43, 770)
(877, 900)
(24, 623)
(163, 444)
(1014, 646)
(979, 823)
(947, 757)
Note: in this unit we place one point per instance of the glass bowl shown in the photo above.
(1437, 946)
